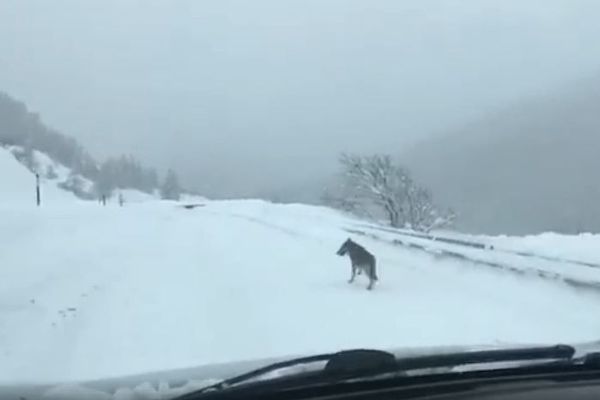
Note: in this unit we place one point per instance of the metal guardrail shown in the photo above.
(480, 245)
(580, 284)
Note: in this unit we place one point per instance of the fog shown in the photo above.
(249, 98)
(529, 168)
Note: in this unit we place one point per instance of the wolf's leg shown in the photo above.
(372, 276)
(353, 274)
(374, 271)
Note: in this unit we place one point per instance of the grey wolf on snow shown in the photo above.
(361, 261)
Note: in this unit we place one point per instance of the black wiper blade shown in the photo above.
(336, 363)
(249, 376)
(363, 364)
(557, 352)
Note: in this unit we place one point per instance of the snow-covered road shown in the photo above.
(89, 292)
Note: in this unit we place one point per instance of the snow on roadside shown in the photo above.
(154, 286)
(134, 196)
(584, 247)
(88, 292)
(581, 248)
(558, 270)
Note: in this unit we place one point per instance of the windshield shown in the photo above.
(215, 185)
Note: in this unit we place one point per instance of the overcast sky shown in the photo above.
(244, 96)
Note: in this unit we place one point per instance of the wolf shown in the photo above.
(361, 260)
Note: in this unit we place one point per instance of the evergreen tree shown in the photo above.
(170, 189)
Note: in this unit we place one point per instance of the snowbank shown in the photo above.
(17, 183)
(583, 248)
(91, 292)
(88, 292)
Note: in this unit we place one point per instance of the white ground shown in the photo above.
(583, 247)
(89, 291)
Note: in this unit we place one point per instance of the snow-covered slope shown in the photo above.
(17, 183)
(89, 291)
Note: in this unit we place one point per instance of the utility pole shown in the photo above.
(38, 195)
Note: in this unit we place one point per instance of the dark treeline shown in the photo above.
(21, 127)
(125, 172)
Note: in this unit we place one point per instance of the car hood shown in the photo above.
(172, 383)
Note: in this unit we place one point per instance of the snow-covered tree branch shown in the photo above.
(376, 181)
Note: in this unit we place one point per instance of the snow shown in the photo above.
(500, 257)
(135, 196)
(582, 248)
(88, 292)
(45, 163)
(74, 392)
(17, 184)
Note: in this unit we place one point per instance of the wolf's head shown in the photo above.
(344, 249)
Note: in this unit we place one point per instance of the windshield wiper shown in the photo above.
(340, 362)
(554, 353)
(364, 364)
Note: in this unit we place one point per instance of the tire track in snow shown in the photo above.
(264, 223)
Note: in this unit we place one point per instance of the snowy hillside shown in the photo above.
(17, 183)
(89, 291)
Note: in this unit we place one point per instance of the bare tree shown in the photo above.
(377, 181)
(423, 213)
(344, 197)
